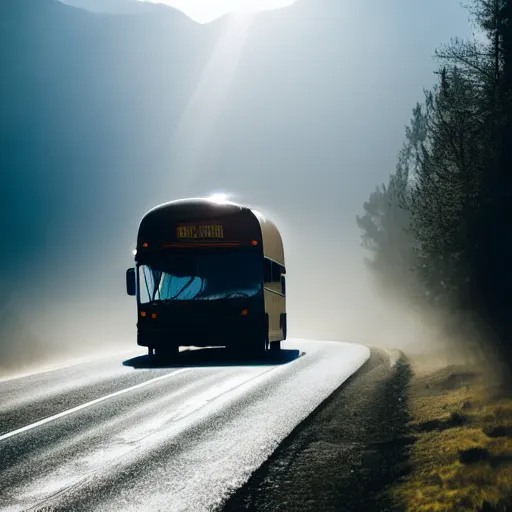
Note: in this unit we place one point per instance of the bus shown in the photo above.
(208, 273)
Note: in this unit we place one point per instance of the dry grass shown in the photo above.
(462, 459)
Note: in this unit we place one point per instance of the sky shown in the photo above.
(299, 112)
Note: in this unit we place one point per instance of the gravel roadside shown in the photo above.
(346, 454)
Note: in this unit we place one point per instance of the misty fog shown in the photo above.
(298, 112)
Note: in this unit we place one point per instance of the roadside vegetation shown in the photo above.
(438, 237)
(462, 457)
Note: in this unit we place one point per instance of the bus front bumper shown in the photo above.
(237, 333)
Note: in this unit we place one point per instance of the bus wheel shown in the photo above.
(275, 346)
(258, 351)
(167, 353)
(257, 348)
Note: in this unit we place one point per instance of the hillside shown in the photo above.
(88, 103)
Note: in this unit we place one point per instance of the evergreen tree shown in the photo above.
(385, 224)
(444, 195)
(487, 65)
(450, 196)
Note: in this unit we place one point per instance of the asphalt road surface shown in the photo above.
(131, 434)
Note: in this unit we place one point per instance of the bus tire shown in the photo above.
(256, 349)
(266, 340)
(259, 344)
(167, 353)
(267, 334)
(275, 346)
(283, 325)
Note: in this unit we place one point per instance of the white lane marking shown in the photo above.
(89, 404)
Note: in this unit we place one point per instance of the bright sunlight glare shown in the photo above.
(219, 198)
(205, 11)
(192, 136)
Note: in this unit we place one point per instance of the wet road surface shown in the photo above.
(132, 434)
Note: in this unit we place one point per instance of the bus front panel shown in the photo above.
(200, 297)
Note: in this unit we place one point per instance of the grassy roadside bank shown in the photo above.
(462, 457)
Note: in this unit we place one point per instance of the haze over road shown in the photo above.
(111, 436)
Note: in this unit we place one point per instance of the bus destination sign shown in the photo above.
(200, 232)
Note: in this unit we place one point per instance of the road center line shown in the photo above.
(89, 404)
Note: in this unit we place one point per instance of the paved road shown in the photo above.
(128, 434)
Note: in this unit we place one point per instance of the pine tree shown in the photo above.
(451, 193)
(488, 66)
(444, 195)
(385, 224)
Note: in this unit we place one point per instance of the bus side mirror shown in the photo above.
(130, 282)
(283, 284)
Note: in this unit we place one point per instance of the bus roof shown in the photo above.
(196, 209)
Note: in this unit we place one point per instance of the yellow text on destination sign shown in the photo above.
(200, 231)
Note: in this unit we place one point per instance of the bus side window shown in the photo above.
(282, 279)
(276, 272)
(267, 271)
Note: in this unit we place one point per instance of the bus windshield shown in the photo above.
(201, 277)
